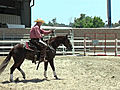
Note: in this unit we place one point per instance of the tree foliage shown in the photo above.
(88, 22)
(117, 24)
(82, 22)
(54, 22)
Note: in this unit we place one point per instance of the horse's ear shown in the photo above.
(66, 36)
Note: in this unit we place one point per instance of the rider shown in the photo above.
(37, 38)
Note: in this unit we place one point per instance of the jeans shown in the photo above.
(41, 46)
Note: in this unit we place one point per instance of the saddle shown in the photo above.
(30, 46)
(33, 48)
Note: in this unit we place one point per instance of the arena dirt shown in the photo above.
(75, 73)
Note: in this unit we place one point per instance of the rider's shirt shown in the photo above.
(36, 32)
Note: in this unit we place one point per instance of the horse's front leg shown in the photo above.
(53, 68)
(45, 69)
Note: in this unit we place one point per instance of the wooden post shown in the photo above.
(84, 44)
(105, 44)
(72, 41)
(94, 45)
(116, 44)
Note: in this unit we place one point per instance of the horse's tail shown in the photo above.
(6, 61)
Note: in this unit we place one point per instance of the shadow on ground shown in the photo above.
(25, 81)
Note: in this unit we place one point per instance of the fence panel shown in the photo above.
(88, 44)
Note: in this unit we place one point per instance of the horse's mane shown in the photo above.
(55, 38)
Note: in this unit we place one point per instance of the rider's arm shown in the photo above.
(46, 32)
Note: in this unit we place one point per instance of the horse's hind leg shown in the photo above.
(18, 67)
(11, 71)
(22, 72)
(17, 64)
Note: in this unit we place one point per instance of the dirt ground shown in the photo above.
(75, 73)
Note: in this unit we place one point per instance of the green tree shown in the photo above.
(54, 22)
(98, 22)
(88, 22)
(117, 24)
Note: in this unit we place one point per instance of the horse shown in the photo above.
(20, 53)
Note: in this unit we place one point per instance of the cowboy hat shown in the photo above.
(39, 20)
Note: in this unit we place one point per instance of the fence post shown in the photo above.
(95, 45)
(116, 44)
(72, 40)
(84, 44)
(105, 44)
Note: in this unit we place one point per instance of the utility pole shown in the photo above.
(109, 13)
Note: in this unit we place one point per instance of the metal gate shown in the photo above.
(100, 44)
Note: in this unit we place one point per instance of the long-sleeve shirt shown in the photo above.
(36, 32)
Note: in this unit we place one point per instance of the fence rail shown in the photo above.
(8, 44)
(82, 42)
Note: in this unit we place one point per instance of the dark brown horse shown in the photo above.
(19, 53)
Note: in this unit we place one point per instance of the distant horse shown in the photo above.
(19, 53)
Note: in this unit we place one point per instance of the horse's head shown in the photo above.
(67, 43)
(57, 41)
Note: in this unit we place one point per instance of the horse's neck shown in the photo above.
(55, 44)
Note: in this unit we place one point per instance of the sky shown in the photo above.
(66, 10)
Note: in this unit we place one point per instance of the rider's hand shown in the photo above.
(52, 31)
(42, 35)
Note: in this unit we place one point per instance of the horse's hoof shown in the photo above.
(11, 80)
(24, 77)
(56, 77)
(46, 78)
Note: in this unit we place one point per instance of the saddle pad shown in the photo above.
(27, 46)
